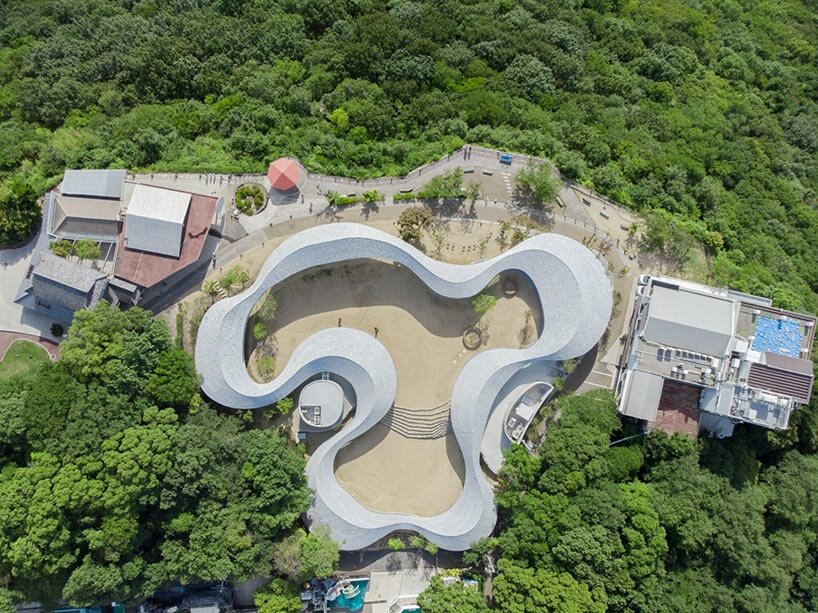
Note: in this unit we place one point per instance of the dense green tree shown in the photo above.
(280, 596)
(173, 382)
(536, 186)
(518, 589)
(19, 210)
(456, 597)
(303, 556)
(104, 496)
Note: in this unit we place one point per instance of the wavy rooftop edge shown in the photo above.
(575, 300)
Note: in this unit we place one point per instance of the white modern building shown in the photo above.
(573, 290)
(699, 357)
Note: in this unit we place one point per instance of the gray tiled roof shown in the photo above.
(76, 276)
(94, 183)
(574, 292)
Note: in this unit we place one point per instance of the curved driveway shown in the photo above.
(575, 297)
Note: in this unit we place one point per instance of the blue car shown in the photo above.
(505, 158)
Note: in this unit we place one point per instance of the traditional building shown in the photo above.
(86, 205)
(59, 288)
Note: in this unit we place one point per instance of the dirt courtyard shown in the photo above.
(423, 334)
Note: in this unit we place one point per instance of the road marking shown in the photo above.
(604, 374)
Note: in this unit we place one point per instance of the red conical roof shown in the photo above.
(284, 174)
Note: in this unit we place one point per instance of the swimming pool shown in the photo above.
(354, 603)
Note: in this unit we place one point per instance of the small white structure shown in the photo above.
(321, 403)
(520, 414)
(155, 220)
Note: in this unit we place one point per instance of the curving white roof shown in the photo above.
(575, 296)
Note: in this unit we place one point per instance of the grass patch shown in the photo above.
(22, 358)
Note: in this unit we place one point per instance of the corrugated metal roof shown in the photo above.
(155, 220)
(642, 395)
(796, 385)
(689, 320)
(158, 203)
(94, 183)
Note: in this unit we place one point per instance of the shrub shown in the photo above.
(336, 199)
(404, 196)
(483, 303)
(266, 366)
(396, 544)
(260, 331)
(281, 596)
(250, 198)
(373, 196)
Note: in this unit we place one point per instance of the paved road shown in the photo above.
(13, 318)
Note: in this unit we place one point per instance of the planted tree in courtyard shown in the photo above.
(236, 275)
(412, 222)
(473, 192)
(210, 288)
(86, 250)
(269, 307)
(61, 247)
(285, 405)
(446, 185)
(535, 185)
(242, 276)
(260, 331)
(266, 366)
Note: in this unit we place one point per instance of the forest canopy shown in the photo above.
(602, 520)
(115, 478)
(703, 111)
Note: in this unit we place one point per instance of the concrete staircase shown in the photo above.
(220, 290)
(419, 423)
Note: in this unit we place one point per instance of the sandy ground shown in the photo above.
(422, 331)
(390, 473)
